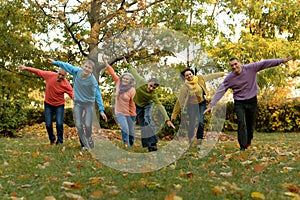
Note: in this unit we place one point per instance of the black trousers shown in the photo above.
(246, 115)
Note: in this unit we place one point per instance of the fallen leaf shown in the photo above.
(213, 159)
(36, 154)
(190, 174)
(254, 179)
(291, 194)
(177, 186)
(79, 166)
(68, 174)
(173, 197)
(218, 190)
(74, 196)
(97, 194)
(212, 173)
(227, 174)
(247, 162)
(49, 198)
(114, 192)
(257, 195)
(94, 181)
(286, 169)
(293, 188)
(259, 168)
(26, 186)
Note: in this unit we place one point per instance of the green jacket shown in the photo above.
(184, 92)
(142, 97)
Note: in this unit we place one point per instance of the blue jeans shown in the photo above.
(194, 112)
(59, 116)
(146, 123)
(127, 128)
(83, 117)
(246, 114)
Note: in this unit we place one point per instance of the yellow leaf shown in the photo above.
(218, 190)
(257, 195)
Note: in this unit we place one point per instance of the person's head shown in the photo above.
(61, 75)
(88, 67)
(127, 79)
(152, 84)
(187, 74)
(235, 65)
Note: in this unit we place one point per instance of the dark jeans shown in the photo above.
(194, 112)
(246, 115)
(59, 116)
(146, 123)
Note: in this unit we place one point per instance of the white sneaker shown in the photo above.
(91, 142)
(85, 149)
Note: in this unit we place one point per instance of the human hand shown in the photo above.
(286, 59)
(22, 67)
(207, 111)
(170, 124)
(226, 72)
(124, 60)
(103, 116)
(103, 59)
(50, 60)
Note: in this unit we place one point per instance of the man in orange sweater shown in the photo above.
(56, 87)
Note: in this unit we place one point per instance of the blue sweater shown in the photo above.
(85, 90)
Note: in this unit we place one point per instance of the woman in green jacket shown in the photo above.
(192, 100)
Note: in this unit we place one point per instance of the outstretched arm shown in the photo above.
(65, 66)
(33, 70)
(110, 70)
(219, 94)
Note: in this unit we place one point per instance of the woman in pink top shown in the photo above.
(125, 110)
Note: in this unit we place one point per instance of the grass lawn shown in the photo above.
(32, 169)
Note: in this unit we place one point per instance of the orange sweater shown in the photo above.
(124, 103)
(54, 90)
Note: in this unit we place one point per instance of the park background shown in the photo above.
(32, 31)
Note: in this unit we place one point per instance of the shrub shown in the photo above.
(12, 117)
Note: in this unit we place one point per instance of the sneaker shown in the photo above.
(91, 142)
(199, 142)
(153, 147)
(85, 149)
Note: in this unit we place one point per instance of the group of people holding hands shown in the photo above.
(135, 96)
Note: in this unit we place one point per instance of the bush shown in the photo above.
(12, 117)
(270, 117)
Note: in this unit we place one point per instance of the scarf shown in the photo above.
(194, 87)
(124, 88)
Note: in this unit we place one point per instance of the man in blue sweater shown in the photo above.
(242, 80)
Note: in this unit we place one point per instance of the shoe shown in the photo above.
(52, 142)
(199, 142)
(85, 149)
(58, 142)
(91, 142)
(153, 147)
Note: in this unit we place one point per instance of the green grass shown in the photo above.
(32, 169)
